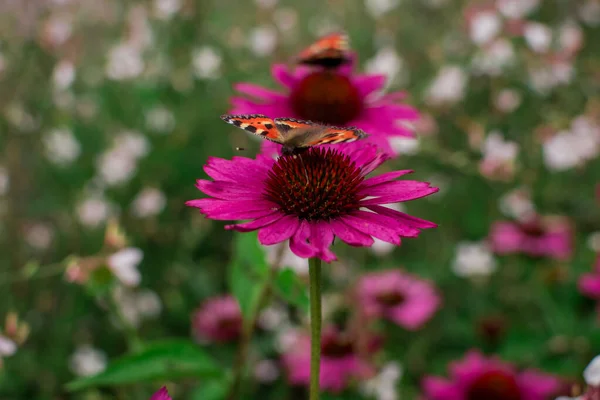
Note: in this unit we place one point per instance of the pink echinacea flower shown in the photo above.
(399, 297)
(340, 363)
(331, 97)
(218, 319)
(589, 284)
(477, 377)
(312, 198)
(162, 394)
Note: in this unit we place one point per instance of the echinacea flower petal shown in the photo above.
(278, 231)
(282, 75)
(349, 235)
(235, 170)
(589, 285)
(538, 385)
(258, 92)
(365, 224)
(441, 389)
(397, 191)
(321, 237)
(386, 177)
(404, 218)
(257, 223)
(298, 242)
(231, 210)
(400, 228)
(368, 84)
(227, 190)
(162, 394)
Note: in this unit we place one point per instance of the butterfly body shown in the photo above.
(294, 135)
(330, 52)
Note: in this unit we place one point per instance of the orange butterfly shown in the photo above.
(330, 51)
(294, 135)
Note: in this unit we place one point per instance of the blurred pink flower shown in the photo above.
(589, 284)
(398, 296)
(340, 364)
(538, 237)
(218, 319)
(477, 377)
(162, 394)
(311, 198)
(339, 97)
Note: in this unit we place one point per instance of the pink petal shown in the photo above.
(238, 169)
(537, 385)
(413, 314)
(162, 394)
(400, 228)
(364, 224)
(367, 84)
(589, 285)
(231, 210)
(257, 223)
(321, 237)
(278, 231)
(282, 75)
(404, 218)
(299, 244)
(386, 177)
(441, 389)
(350, 235)
(229, 190)
(259, 92)
(397, 191)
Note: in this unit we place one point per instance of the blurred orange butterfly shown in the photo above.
(330, 51)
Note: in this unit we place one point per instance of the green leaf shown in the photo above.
(289, 286)
(247, 272)
(168, 359)
(211, 390)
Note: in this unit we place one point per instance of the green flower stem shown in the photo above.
(314, 270)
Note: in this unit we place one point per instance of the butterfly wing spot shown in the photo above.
(257, 124)
(285, 125)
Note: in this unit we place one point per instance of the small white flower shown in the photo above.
(116, 167)
(484, 27)
(495, 148)
(63, 74)
(148, 203)
(383, 385)
(285, 18)
(160, 119)
(538, 37)
(266, 371)
(4, 181)
(589, 12)
(273, 317)
(448, 86)
(593, 242)
(493, 59)
(87, 361)
(516, 9)
(508, 100)
(124, 264)
(165, 9)
(206, 62)
(405, 145)
(377, 8)
(124, 62)
(132, 142)
(548, 76)
(517, 204)
(58, 29)
(473, 259)
(262, 40)
(387, 62)
(591, 374)
(570, 36)
(7, 347)
(62, 148)
(39, 236)
(93, 211)
(148, 303)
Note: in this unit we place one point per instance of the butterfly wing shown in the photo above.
(258, 124)
(333, 135)
(329, 51)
